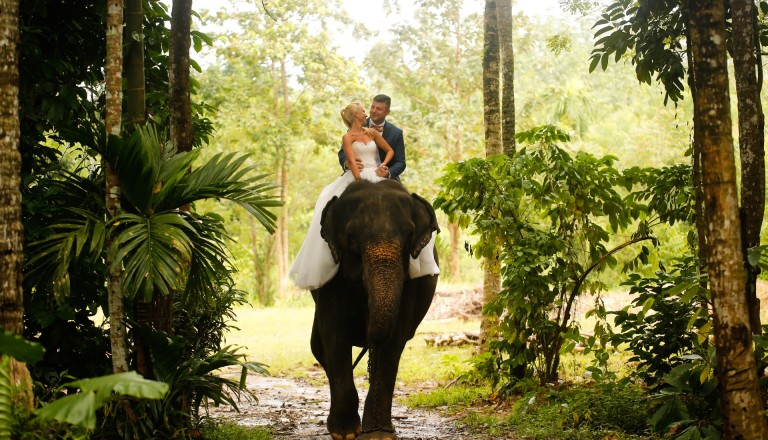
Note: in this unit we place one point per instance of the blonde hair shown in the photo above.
(348, 115)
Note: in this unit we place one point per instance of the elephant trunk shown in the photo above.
(384, 273)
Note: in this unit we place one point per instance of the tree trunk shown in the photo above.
(282, 224)
(11, 230)
(178, 75)
(454, 266)
(741, 403)
(145, 312)
(507, 76)
(698, 182)
(135, 104)
(492, 119)
(282, 230)
(114, 101)
(491, 104)
(180, 124)
(455, 154)
(751, 138)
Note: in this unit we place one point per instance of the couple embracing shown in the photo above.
(374, 150)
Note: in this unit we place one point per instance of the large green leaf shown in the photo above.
(127, 384)
(80, 409)
(76, 409)
(20, 349)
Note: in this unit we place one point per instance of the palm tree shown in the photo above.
(178, 75)
(114, 101)
(11, 241)
(159, 247)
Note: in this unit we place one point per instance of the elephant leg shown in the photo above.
(383, 365)
(333, 350)
(385, 360)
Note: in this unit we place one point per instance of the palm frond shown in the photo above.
(80, 238)
(223, 177)
(137, 160)
(211, 265)
(154, 252)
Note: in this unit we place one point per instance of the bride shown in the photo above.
(314, 265)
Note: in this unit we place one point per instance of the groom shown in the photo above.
(392, 134)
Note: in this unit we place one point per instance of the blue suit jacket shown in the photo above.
(394, 137)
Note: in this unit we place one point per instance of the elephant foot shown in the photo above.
(347, 436)
(350, 436)
(378, 435)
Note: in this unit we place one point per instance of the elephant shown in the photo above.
(372, 230)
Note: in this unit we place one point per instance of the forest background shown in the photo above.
(280, 102)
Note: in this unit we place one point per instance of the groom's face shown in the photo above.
(378, 112)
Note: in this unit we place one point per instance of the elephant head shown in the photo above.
(372, 230)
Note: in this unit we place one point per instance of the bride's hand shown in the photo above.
(382, 171)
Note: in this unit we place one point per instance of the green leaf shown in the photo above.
(80, 409)
(76, 409)
(129, 384)
(595, 60)
(20, 349)
(604, 60)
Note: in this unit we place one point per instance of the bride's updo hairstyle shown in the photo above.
(348, 115)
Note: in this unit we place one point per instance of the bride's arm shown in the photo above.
(350, 152)
(383, 145)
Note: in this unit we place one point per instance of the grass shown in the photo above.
(448, 398)
(279, 337)
(276, 336)
(224, 430)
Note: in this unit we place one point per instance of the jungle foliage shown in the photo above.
(161, 248)
(553, 216)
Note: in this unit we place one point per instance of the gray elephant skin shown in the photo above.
(372, 230)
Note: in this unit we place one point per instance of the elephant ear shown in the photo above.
(328, 229)
(425, 221)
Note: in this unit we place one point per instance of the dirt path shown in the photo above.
(296, 409)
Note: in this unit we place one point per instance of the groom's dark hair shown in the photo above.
(384, 99)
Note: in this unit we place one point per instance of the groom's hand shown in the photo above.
(358, 162)
(382, 171)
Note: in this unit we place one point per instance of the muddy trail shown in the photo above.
(297, 408)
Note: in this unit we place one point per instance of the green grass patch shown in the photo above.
(568, 412)
(276, 336)
(455, 396)
(228, 430)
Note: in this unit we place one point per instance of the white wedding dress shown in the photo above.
(314, 265)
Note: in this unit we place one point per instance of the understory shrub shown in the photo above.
(588, 411)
